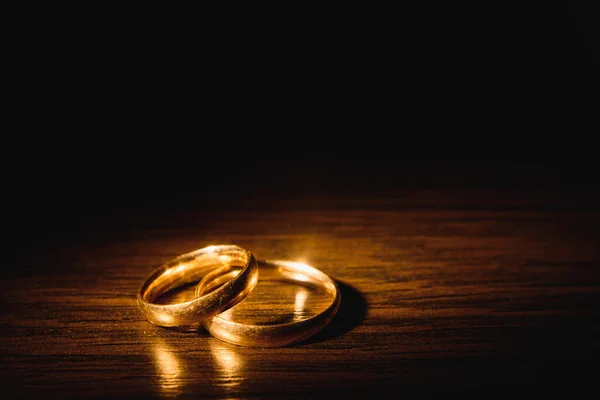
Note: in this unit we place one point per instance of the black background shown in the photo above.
(126, 118)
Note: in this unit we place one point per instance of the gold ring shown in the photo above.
(190, 268)
(279, 334)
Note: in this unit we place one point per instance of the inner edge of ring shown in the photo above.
(191, 267)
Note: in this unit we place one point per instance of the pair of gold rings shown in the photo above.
(226, 274)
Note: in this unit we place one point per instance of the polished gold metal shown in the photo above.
(277, 335)
(190, 268)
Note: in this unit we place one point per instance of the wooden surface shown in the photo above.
(483, 291)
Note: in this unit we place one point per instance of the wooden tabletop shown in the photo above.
(485, 291)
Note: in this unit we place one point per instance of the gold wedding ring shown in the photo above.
(190, 268)
(271, 335)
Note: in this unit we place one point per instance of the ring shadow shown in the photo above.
(352, 311)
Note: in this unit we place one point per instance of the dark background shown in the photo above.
(124, 119)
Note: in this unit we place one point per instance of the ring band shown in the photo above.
(272, 335)
(190, 268)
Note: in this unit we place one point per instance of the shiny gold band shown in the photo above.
(190, 268)
(272, 335)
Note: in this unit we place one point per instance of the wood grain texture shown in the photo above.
(482, 292)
